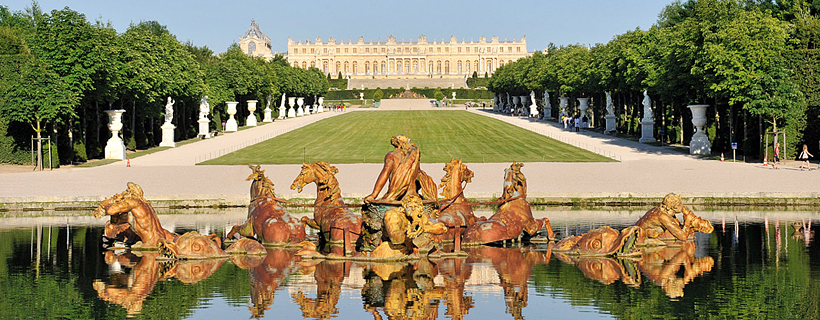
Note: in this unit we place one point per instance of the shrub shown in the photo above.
(438, 95)
(378, 95)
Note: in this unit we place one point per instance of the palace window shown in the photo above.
(313, 64)
(295, 64)
(338, 66)
(325, 50)
(438, 49)
(447, 49)
(416, 50)
(517, 49)
(382, 67)
(468, 49)
(476, 49)
(355, 66)
(345, 50)
(459, 65)
(459, 49)
(347, 67)
(251, 48)
(467, 66)
(337, 50)
(312, 50)
(447, 66)
(438, 67)
(354, 50)
(384, 50)
(509, 49)
(430, 66)
(304, 65)
(324, 66)
(366, 50)
(501, 49)
(431, 49)
(367, 67)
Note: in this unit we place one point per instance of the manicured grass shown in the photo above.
(364, 137)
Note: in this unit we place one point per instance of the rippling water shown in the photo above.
(755, 265)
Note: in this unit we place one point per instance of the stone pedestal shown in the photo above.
(115, 147)
(610, 122)
(204, 128)
(647, 134)
(700, 141)
(168, 135)
(251, 120)
(230, 125)
(268, 117)
(583, 106)
(301, 111)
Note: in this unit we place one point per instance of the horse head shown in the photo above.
(455, 172)
(261, 185)
(319, 172)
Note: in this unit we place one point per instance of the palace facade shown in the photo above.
(393, 59)
(255, 43)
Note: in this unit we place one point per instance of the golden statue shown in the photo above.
(330, 215)
(659, 224)
(403, 172)
(456, 211)
(268, 221)
(513, 217)
(191, 245)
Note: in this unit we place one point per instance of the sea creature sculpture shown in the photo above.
(513, 217)
(268, 221)
(330, 215)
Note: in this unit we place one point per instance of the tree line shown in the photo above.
(59, 72)
(755, 62)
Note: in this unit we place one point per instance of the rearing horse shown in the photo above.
(330, 215)
(514, 215)
(268, 220)
(455, 210)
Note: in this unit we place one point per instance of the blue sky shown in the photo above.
(217, 24)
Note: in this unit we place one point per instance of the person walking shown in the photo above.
(577, 124)
(805, 157)
(776, 162)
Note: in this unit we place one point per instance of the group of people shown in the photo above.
(803, 157)
(577, 122)
(339, 107)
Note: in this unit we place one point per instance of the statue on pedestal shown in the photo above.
(610, 107)
(169, 110)
(204, 108)
(647, 106)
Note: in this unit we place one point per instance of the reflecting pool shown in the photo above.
(755, 265)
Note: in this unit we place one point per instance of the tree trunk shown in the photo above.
(39, 146)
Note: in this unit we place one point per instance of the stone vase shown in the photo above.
(301, 102)
(230, 125)
(583, 106)
(291, 110)
(321, 105)
(515, 101)
(251, 120)
(563, 103)
(700, 141)
(115, 147)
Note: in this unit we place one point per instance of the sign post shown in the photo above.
(734, 150)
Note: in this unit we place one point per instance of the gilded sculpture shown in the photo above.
(514, 216)
(268, 221)
(330, 216)
(148, 228)
(455, 210)
(658, 225)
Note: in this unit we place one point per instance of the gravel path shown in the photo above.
(642, 171)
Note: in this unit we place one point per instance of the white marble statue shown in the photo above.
(547, 114)
(610, 107)
(204, 108)
(647, 106)
(533, 105)
(282, 110)
(169, 110)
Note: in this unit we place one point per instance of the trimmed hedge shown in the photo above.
(468, 94)
(337, 83)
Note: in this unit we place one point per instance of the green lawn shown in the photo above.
(364, 137)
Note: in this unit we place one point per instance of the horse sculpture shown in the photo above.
(146, 225)
(330, 215)
(456, 211)
(268, 221)
(513, 217)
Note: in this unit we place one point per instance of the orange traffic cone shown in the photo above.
(128, 164)
(721, 157)
(765, 164)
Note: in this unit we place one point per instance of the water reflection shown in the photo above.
(771, 260)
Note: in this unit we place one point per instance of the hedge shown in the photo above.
(468, 94)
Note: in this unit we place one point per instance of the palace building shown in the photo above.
(392, 59)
